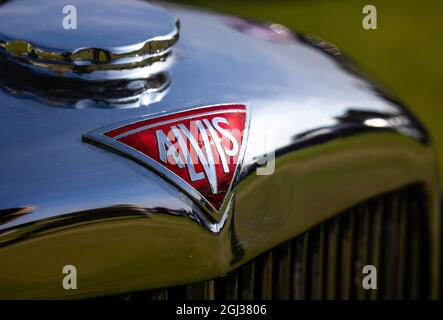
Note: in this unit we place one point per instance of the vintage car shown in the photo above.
(156, 151)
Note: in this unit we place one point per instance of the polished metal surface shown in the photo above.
(109, 38)
(338, 141)
(116, 57)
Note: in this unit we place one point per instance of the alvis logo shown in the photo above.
(198, 150)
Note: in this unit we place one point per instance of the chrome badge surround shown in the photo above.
(98, 137)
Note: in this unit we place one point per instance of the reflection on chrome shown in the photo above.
(7, 215)
(71, 92)
(388, 122)
(102, 65)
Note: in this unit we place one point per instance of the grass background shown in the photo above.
(404, 54)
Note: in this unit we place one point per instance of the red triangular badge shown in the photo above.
(199, 150)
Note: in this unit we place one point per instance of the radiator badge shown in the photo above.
(198, 150)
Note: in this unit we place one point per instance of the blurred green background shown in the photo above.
(404, 54)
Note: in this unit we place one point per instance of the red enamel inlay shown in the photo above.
(227, 123)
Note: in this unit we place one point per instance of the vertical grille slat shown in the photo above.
(368, 235)
(317, 253)
(376, 219)
(389, 232)
(333, 231)
(390, 249)
(402, 249)
(297, 258)
(305, 267)
(231, 289)
(247, 281)
(265, 276)
(421, 247)
(414, 277)
(346, 257)
(282, 270)
(362, 251)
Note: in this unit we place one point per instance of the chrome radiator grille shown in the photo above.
(326, 262)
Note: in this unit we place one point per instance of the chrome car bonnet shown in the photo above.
(337, 141)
